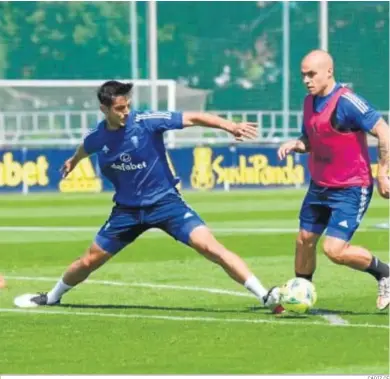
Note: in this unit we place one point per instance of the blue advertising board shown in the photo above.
(199, 168)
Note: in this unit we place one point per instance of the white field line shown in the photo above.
(331, 318)
(237, 230)
(185, 318)
(145, 285)
(48, 228)
(334, 319)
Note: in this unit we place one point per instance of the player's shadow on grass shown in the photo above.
(161, 308)
(325, 312)
(248, 310)
(330, 312)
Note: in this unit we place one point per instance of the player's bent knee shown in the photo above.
(334, 251)
(306, 238)
(202, 240)
(94, 257)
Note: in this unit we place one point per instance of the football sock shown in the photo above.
(308, 277)
(58, 290)
(378, 269)
(253, 284)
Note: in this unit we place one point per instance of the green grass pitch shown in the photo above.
(159, 308)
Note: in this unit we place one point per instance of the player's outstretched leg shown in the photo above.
(305, 254)
(358, 258)
(202, 240)
(76, 273)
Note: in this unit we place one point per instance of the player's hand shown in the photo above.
(245, 130)
(286, 149)
(67, 167)
(384, 186)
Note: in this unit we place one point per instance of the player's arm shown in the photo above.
(91, 144)
(357, 111)
(79, 154)
(72, 162)
(300, 145)
(241, 131)
(381, 132)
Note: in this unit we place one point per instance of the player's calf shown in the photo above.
(361, 259)
(335, 253)
(202, 240)
(80, 269)
(305, 254)
(342, 253)
(77, 272)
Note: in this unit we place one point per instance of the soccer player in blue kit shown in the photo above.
(131, 154)
(336, 122)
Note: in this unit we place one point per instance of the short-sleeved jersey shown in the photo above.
(352, 112)
(133, 158)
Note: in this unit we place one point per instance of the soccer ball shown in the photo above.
(298, 295)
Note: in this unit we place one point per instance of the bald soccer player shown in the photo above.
(335, 126)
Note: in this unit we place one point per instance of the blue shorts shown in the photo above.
(171, 214)
(338, 210)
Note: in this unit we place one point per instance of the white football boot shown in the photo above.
(383, 299)
(272, 300)
(33, 300)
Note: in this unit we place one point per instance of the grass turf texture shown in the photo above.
(154, 310)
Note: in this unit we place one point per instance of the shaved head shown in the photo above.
(318, 58)
(317, 72)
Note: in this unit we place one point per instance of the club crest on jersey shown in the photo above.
(125, 157)
(135, 141)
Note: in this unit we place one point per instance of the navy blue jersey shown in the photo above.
(352, 112)
(133, 158)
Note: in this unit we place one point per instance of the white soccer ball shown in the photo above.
(298, 295)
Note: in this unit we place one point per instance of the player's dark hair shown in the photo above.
(108, 91)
